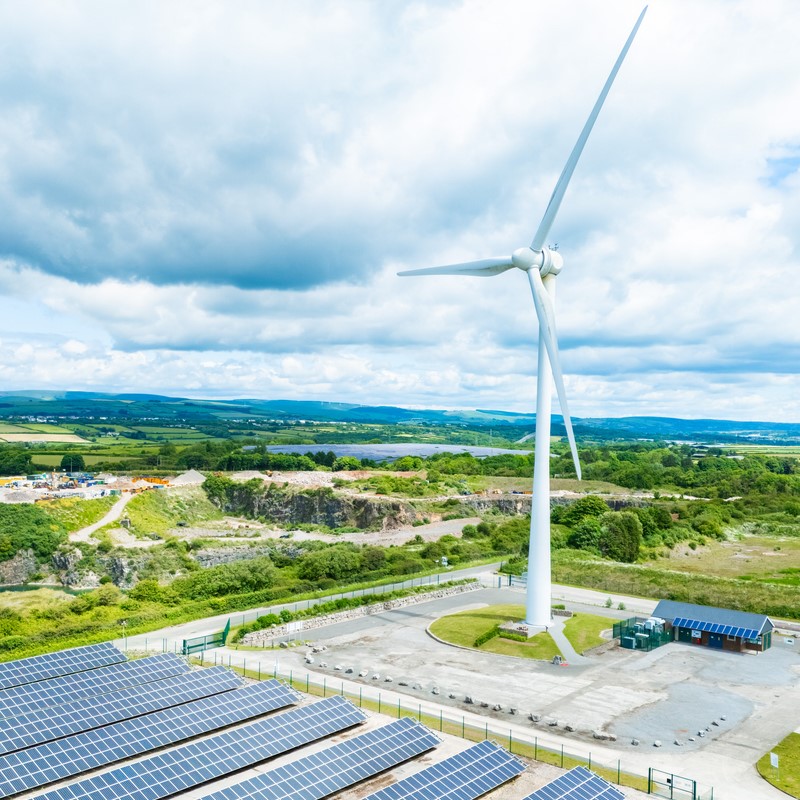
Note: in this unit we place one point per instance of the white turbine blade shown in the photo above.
(547, 329)
(481, 269)
(569, 167)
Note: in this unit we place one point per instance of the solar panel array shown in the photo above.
(63, 662)
(53, 761)
(82, 715)
(465, 776)
(578, 784)
(167, 773)
(335, 768)
(66, 688)
(715, 627)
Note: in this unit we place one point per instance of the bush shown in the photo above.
(487, 636)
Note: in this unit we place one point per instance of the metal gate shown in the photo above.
(666, 784)
(201, 643)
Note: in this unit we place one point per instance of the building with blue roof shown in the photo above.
(719, 628)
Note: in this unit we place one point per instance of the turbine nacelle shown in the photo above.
(547, 261)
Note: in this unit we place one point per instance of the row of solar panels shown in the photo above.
(64, 662)
(715, 627)
(65, 716)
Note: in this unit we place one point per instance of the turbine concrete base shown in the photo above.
(524, 628)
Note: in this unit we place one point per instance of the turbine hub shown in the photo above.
(547, 261)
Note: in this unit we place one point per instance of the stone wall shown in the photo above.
(265, 637)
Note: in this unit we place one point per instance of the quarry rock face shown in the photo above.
(19, 569)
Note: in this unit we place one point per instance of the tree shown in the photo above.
(621, 536)
(589, 506)
(346, 462)
(73, 462)
(586, 534)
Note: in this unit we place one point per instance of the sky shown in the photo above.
(212, 199)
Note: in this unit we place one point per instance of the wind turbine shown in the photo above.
(542, 264)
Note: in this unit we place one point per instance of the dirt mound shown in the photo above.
(190, 478)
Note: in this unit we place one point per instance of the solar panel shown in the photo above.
(82, 715)
(54, 761)
(196, 763)
(62, 662)
(715, 627)
(466, 776)
(578, 784)
(64, 689)
(335, 768)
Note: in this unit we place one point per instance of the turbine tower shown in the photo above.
(542, 265)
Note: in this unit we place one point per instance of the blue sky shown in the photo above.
(213, 199)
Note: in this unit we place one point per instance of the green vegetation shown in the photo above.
(333, 606)
(576, 569)
(74, 513)
(787, 776)
(479, 629)
(156, 511)
(583, 630)
(29, 527)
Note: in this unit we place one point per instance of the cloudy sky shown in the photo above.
(212, 199)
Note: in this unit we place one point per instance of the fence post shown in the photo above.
(462, 727)
(398, 708)
(308, 679)
(259, 670)
(618, 772)
(440, 720)
(562, 756)
(325, 687)
(342, 688)
(244, 667)
(291, 678)
(535, 748)
(590, 759)
(509, 741)
(360, 696)
(486, 736)
(379, 702)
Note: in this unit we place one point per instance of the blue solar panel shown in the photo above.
(83, 715)
(196, 763)
(56, 691)
(54, 761)
(63, 662)
(464, 776)
(578, 784)
(335, 768)
(715, 627)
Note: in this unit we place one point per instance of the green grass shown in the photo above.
(74, 513)
(465, 627)
(158, 510)
(583, 630)
(787, 777)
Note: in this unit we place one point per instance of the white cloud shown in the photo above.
(215, 199)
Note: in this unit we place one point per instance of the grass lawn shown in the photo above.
(787, 776)
(583, 630)
(465, 627)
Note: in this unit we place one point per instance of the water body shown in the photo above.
(32, 587)
(391, 452)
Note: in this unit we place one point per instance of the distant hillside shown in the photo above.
(511, 425)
